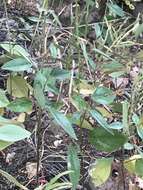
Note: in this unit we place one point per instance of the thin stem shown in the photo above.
(7, 19)
(81, 141)
(122, 169)
(39, 120)
(44, 6)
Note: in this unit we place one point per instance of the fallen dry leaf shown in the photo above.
(31, 168)
(21, 117)
(139, 182)
(120, 82)
(134, 72)
(10, 157)
(57, 143)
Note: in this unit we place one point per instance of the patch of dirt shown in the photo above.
(23, 7)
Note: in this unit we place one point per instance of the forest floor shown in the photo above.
(18, 24)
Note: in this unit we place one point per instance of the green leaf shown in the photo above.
(59, 186)
(12, 133)
(34, 18)
(15, 49)
(114, 66)
(100, 119)
(39, 86)
(100, 172)
(54, 179)
(105, 141)
(53, 182)
(46, 81)
(130, 164)
(117, 74)
(85, 125)
(85, 54)
(62, 120)
(139, 30)
(79, 103)
(53, 50)
(60, 74)
(12, 180)
(114, 8)
(17, 86)
(92, 63)
(103, 95)
(17, 65)
(104, 112)
(3, 99)
(90, 3)
(5, 58)
(139, 125)
(140, 131)
(103, 54)
(139, 167)
(117, 107)
(116, 125)
(4, 144)
(45, 4)
(97, 29)
(73, 165)
(4, 121)
(88, 59)
(20, 105)
(41, 79)
(84, 88)
(39, 95)
(76, 118)
(128, 146)
(136, 119)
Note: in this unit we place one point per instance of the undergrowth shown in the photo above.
(82, 68)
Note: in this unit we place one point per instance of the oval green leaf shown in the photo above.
(73, 165)
(105, 141)
(100, 119)
(116, 125)
(103, 95)
(128, 146)
(4, 144)
(14, 49)
(12, 133)
(100, 171)
(115, 9)
(139, 167)
(20, 105)
(79, 103)
(130, 164)
(17, 86)
(62, 120)
(60, 74)
(17, 65)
